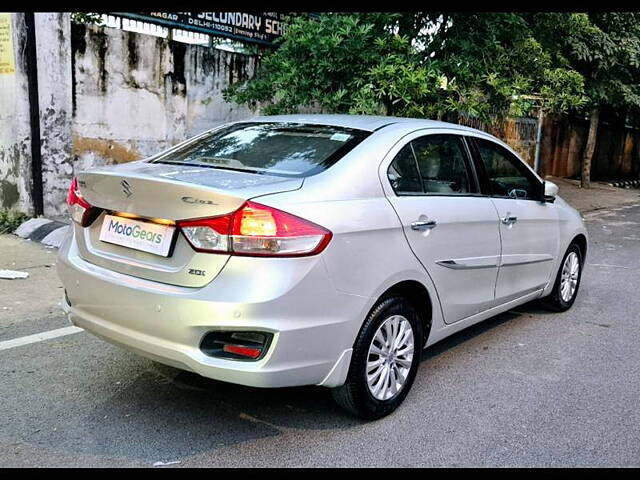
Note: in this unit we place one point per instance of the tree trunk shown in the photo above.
(388, 106)
(585, 177)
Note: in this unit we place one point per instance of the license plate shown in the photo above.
(145, 236)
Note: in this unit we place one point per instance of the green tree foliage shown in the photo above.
(86, 18)
(343, 64)
(604, 49)
(496, 64)
(419, 65)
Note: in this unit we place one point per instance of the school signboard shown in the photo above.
(263, 28)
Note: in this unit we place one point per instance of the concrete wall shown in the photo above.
(53, 35)
(15, 134)
(106, 96)
(137, 94)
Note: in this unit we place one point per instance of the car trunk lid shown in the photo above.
(163, 194)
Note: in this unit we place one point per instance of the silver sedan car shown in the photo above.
(315, 250)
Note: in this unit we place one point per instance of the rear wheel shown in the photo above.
(565, 288)
(385, 360)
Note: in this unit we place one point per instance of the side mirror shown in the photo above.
(550, 191)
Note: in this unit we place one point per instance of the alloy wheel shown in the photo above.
(390, 357)
(569, 279)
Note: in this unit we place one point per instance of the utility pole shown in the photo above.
(538, 100)
(536, 163)
(34, 115)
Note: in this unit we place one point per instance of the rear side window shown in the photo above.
(285, 149)
(506, 175)
(433, 164)
(403, 172)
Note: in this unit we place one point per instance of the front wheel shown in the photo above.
(565, 288)
(385, 360)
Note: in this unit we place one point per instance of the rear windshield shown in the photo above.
(285, 149)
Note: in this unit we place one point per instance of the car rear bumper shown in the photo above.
(313, 324)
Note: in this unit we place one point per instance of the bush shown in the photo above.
(10, 220)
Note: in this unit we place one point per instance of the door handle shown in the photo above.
(509, 219)
(424, 225)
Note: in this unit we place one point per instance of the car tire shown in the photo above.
(563, 295)
(394, 370)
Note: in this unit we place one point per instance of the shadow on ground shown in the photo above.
(484, 326)
(168, 413)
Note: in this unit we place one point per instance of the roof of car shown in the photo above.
(362, 122)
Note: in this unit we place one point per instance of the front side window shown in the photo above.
(433, 164)
(441, 160)
(285, 149)
(507, 176)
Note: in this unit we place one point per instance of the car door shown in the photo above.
(529, 227)
(451, 228)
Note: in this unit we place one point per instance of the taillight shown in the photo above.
(256, 230)
(81, 211)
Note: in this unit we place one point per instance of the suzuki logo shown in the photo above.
(126, 188)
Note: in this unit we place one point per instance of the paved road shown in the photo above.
(525, 388)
